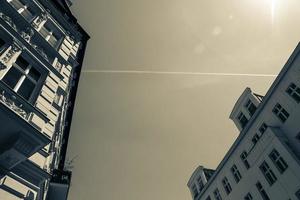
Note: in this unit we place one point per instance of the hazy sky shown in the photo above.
(140, 136)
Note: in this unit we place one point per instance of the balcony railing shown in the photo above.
(18, 104)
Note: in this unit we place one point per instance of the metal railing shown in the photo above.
(18, 104)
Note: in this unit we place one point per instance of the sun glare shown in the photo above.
(272, 11)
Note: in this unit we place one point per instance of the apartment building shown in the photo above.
(264, 161)
(41, 53)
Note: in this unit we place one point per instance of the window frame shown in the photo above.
(250, 107)
(248, 196)
(242, 119)
(279, 162)
(268, 173)
(25, 75)
(217, 194)
(226, 185)
(281, 113)
(236, 173)
(262, 191)
(243, 157)
(294, 92)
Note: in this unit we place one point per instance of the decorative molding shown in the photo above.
(10, 101)
(27, 34)
(41, 18)
(11, 52)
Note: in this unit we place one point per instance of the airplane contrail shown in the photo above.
(175, 73)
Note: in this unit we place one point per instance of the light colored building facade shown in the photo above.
(41, 54)
(264, 161)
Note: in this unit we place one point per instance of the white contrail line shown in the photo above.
(174, 73)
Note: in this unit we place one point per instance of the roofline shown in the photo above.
(242, 134)
(200, 167)
(73, 19)
(239, 101)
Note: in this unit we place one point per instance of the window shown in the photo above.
(58, 99)
(248, 196)
(255, 138)
(208, 198)
(194, 190)
(244, 159)
(236, 173)
(298, 136)
(2, 43)
(23, 8)
(280, 112)
(268, 173)
(51, 34)
(294, 92)
(298, 194)
(200, 184)
(278, 161)
(22, 78)
(243, 120)
(262, 129)
(217, 194)
(250, 107)
(226, 185)
(262, 191)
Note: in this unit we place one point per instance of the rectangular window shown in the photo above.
(294, 92)
(280, 112)
(22, 78)
(278, 161)
(226, 185)
(236, 173)
(2, 43)
(297, 194)
(51, 34)
(217, 194)
(248, 196)
(255, 138)
(243, 120)
(194, 190)
(268, 173)
(262, 129)
(250, 107)
(200, 184)
(298, 136)
(208, 198)
(244, 159)
(262, 191)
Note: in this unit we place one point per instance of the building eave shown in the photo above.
(239, 102)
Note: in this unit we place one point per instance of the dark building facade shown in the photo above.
(41, 54)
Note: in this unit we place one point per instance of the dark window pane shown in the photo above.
(2, 42)
(22, 63)
(298, 194)
(12, 77)
(26, 88)
(33, 73)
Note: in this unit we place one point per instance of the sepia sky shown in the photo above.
(138, 131)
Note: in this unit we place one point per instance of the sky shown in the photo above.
(159, 81)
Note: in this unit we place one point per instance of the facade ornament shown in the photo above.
(27, 34)
(41, 18)
(10, 101)
(8, 20)
(11, 52)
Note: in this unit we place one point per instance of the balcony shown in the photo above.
(20, 129)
